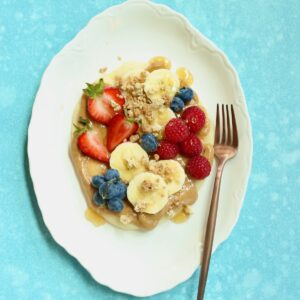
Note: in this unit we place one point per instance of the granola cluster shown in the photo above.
(137, 103)
(138, 106)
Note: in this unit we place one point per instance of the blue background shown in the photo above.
(261, 258)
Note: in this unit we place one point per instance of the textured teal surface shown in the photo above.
(261, 258)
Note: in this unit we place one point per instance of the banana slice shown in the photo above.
(161, 86)
(129, 159)
(159, 120)
(163, 116)
(112, 77)
(148, 193)
(171, 171)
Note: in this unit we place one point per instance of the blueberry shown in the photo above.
(112, 175)
(149, 142)
(103, 188)
(110, 190)
(98, 200)
(177, 104)
(115, 204)
(119, 190)
(185, 94)
(97, 181)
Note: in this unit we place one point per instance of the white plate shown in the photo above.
(136, 263)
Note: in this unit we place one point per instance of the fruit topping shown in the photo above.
(194, 118)
(98, 199)
(149, 142)
(177, 104)
(171, 171)
(191, 146)
(89, 143)
(102, 103)
(100, 110)
(167, 150)
(158, 119)
(110, 189)
(97, 181)
(115, 204)
(161, 86)
(119, 129)
(148, 193)
(114, 96)
(185, 94)
(198, 167)
(112, 175)
(129, 159)
(176, 131)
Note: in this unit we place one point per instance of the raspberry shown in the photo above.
(191, 146)
(176, 131)
(167, 150)
(198, 167)
(194, 118)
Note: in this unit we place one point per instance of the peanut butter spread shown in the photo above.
(141, 109)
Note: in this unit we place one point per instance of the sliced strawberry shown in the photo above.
(119, 129)
(113, 94)
(89, 143)
(100, 109)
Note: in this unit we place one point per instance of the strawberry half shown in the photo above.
(102, 101)
(89, 143)
(119, 129)
(113, 94)
(99, 109)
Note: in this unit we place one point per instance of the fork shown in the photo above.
(225, 148)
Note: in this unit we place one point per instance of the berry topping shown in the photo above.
(90, 144)
(114, 96)
(119, 129)
(191, 146)
(185, 94)
(110, 190)
(100, 110)
(167, 150)
(194, 118)
(97, 181)
(149, 142)
(97, 199)
(176, 131)
(115, 204)
(99, 104)
(112, 175)
(177, 104)
(198, 167)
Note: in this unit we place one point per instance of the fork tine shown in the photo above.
(217, 130)
(229, 140)
(235, 140)
(223, 138)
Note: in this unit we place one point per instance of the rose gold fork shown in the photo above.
(225, 148)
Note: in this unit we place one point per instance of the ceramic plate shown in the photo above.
(137, 263)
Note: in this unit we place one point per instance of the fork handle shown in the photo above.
(210, 231)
